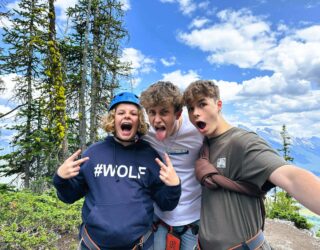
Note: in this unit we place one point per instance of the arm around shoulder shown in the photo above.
(300, 184)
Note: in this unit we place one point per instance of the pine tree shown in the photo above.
(23, 57)
(108, 32)
(101, 57)
(286, 151)
(54, 95)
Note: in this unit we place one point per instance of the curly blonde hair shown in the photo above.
(109, 126)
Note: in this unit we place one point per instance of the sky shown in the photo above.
(264, 55)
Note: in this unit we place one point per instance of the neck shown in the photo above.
(125, 142)
(177, 126)
(221, 128)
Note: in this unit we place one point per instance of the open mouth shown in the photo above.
(162, 128)
(201, 125)
(161, 133)
(126, 127)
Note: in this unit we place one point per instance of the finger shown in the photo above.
(167, 160)
(75, 155)
(73, 174)
(76, 170)
(80, 161)
(160, 163)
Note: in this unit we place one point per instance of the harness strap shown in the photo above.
(254, 243)
(143, 240)
(194, 228)
(85, 237)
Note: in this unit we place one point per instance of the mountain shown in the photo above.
(305, 151)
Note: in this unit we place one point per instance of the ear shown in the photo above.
(178, 114)
(219, 104)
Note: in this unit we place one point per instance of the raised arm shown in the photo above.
(300, 184)
(167, 194)
(69, 183)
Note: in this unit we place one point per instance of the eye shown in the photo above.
(201, 105)
(163, 113)
(190, 109)
(151, 112)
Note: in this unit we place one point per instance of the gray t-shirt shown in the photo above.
(229, 218)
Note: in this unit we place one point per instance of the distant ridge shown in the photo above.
(305, 151)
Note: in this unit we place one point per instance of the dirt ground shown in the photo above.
(282, 235)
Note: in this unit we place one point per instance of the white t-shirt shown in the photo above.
(183, 148)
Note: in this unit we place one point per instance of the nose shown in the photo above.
(127, 116)
(195, 112)
(157, 118)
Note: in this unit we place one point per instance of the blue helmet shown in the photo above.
(124, 97)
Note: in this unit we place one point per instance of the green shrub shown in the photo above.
(285, 208)
(6, 188)
(318, 233)
(33, 221)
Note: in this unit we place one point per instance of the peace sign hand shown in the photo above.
(167, 173)
(71, 167)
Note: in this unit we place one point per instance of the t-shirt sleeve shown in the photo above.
(259, 160)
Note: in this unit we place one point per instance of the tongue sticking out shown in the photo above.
(161, 134)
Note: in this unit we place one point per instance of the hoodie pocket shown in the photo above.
(118, 225)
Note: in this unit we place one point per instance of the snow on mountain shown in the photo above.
(305, 151)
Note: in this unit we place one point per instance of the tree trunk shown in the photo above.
(82, 94)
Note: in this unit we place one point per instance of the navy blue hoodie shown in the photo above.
(120, 184)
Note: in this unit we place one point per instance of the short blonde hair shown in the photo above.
(200, 89)
(162, 93)
(109, 126)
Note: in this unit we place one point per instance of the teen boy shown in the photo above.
(231, 220)
(172, 132)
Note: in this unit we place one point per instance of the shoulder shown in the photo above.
(242, 136)
(97, 146)
(146, 146)
(244, 140)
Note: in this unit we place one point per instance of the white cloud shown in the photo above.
(62, 6)
(8, 85)
(198, 22)
(228, 90)
(296, 59)
(4, 109)
(125, 5)
(242, 104)
(138, 62)
(181, 79)
(264, 85)
(240, 39)
(168, 62)
(185, 6)
(5, 22)
(13, 5)
(204, 5)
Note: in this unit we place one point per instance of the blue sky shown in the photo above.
(264, 55)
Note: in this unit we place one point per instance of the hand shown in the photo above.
(167, 173)
(71, 167)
